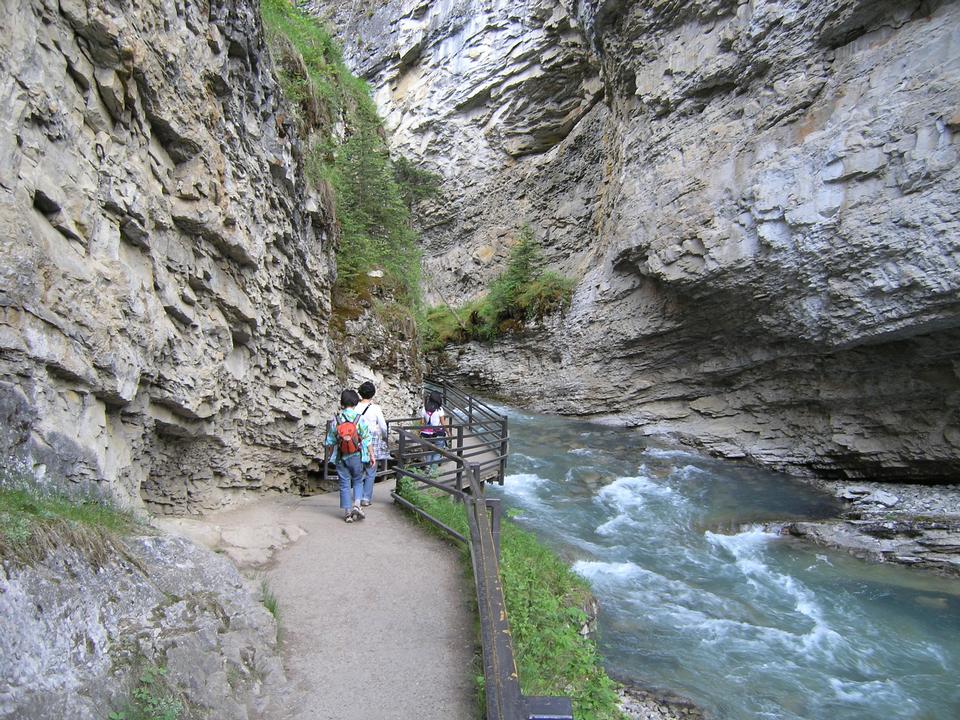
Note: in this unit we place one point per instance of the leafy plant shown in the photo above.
(151, 699)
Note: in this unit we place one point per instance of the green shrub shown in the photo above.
(415, 183)
(545, 601)
(549, 293)
(373, 193)
(523, 292)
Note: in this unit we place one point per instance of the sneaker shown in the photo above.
(358, 513)
(365, 503)
(348, 517)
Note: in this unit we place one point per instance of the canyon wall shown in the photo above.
(758, 201)
(166, 271)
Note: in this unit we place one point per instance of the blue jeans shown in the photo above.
(434, 459)
(368, 478)
(350, 472)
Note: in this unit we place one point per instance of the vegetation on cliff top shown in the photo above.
(523, 292)
(347, 152)
(545, 602)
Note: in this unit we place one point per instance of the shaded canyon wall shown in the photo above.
(166, 271)
(758, 199)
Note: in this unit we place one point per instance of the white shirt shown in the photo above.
(373, 416)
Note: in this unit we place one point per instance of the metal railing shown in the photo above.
(475, 452)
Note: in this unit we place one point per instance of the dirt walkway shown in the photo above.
(376, 615)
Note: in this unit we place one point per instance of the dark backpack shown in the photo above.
(348, 435)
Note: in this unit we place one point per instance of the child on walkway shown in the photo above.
(373, 417)
(348, 441)
(435, 424)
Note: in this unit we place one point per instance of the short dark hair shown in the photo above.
(349, 398)
(367, 390)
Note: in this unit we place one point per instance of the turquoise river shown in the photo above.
(698, 600)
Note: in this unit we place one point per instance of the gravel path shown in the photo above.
(377, 615)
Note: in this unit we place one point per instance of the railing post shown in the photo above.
(495, 513)
(503, 451)
(460, 455)
(470, 410)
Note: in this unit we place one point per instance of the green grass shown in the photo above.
(272, 605)
(33, 521)
(545, 601)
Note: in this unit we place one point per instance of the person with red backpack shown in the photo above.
(348, 443)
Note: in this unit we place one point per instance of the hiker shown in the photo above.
(348, 442)
(435, 424)
(373, 416)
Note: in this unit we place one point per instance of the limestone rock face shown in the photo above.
(72, 648)
(493, 97)
(762, 211)
(166, 271)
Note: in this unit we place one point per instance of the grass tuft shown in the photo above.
(272, 605)
(33, 522)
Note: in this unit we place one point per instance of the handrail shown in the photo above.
(505, 701)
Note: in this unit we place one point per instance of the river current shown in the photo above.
(698, 600)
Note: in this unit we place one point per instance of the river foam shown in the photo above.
(747, 623)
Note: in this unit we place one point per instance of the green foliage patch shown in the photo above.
(373, 193)
(523, 292)
(545, 601)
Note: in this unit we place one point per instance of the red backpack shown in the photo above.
(348, 435)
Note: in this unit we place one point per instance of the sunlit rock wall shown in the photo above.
(761, 210)
(165, 271)
(79, 631)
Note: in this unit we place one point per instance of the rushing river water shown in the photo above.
(698, 600)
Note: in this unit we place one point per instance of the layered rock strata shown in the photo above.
(166, 271)
(761, 211)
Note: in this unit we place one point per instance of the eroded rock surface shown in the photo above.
(166, 270)
(77, 634)
(761, 211)
(911, 525)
